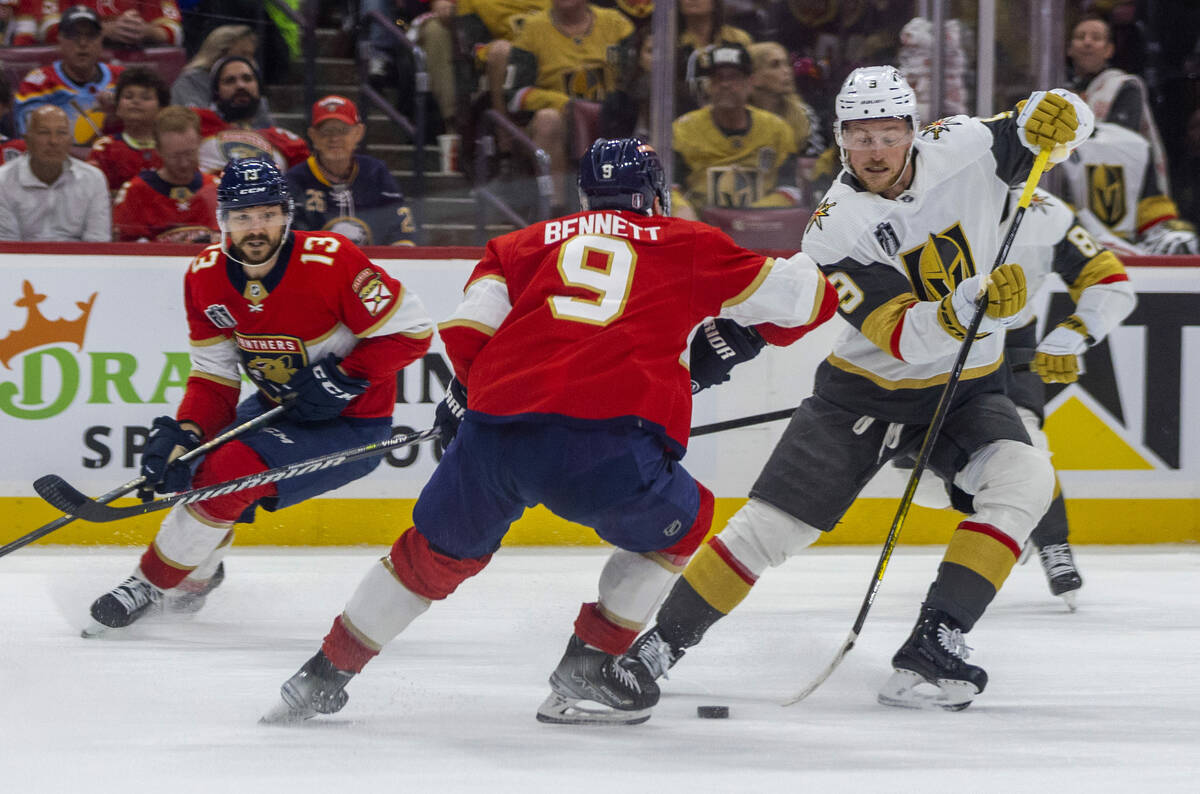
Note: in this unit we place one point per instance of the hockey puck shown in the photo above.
(712, 712)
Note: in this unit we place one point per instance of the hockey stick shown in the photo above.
(731, 424)
(58, 492)
(136, 482)
(935, 426)
(62, 495)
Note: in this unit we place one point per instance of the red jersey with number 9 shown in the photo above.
(584, 319)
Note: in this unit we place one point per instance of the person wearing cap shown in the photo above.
(730, 153)
(78, 82)
(229, 127)
(338, 190)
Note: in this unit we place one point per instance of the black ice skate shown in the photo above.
(930, 671)
(654, 654)
(1063, 576)
(317, 688)
(617, 691)
(129, 601)
(188, 597)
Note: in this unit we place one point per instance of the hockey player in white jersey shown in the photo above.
(906, 234)
(1111, 180)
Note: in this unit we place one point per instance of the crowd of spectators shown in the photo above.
(752, 99)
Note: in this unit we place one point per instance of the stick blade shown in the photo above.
(59, 493)
(828, 671)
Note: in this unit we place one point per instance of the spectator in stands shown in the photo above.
(49, 196)
(133, 24)
(194, 85)
(30, 23)
(78, 82)
(701, 24)
(488, 28)
(274, 49)
(141, 93)
(338, 190)
(560, 56)
(9, 148)
(730, 153)
(1113, 95)
(175, 202)
(229, 129)
(773, 88)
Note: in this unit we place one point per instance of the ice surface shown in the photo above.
(1106, 699)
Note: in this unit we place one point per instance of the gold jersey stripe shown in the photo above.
(881, 323)
(750, 289)
(912, 383)
(1102, 266)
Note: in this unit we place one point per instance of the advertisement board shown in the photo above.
(93, 346)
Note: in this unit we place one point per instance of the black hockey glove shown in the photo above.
(166, 442)
(450, 411)
(718, 346)
(321, 391)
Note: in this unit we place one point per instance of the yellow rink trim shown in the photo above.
(349, 522)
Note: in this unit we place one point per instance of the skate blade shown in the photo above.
(95, 629)
(1069, 599)
(283, 714)
(908, 690)
(559, 710)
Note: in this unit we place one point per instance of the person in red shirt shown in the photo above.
(175, 203)
(228, 126)
(141, 94)
(316, 326)
(571, 390)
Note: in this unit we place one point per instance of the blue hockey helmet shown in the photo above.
(252, 182)
(623, 174)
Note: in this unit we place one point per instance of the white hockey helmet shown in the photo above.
(874, 92)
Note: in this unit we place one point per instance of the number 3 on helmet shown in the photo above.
(623, 174)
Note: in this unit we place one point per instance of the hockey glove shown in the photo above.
(167, 441)
(1056, 120)
(321, 391)
(1057, 356)
(450, 411)
(1171, 237)
(1005, 298)
(718, 346)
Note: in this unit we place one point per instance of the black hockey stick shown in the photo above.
(62, 495)
(731, 424)
(931, 433)
(136, 482)
(58, 492)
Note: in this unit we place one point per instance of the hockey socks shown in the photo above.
(711, 586)
(977, 561)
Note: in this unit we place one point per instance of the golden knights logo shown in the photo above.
(733, 186)
(1106, 193)
(940, 265)
(585, 84)
(936, 129)
(819, 214)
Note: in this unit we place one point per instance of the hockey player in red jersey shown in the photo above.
(317, 326)
(571, 391)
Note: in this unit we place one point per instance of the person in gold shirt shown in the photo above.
(730, 153)
(568, 52)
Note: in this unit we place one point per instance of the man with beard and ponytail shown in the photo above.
(228, 126)
(318, 328)
(906, 234)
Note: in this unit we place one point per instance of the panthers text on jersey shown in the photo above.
(324, 296)
(585, 319)
(893, 260)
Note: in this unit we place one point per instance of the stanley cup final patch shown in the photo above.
(887, 237)
(371, 290)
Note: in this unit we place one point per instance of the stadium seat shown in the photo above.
(761, 228)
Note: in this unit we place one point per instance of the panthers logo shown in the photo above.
(272, 369)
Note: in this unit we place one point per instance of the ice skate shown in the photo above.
(654, 654)
(188, 597)
(591, 687)
(1061, 573)
(317, 688)
(129, 601)
(929, 668)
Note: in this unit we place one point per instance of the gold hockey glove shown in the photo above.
(1057, 356)
(1050, 122)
